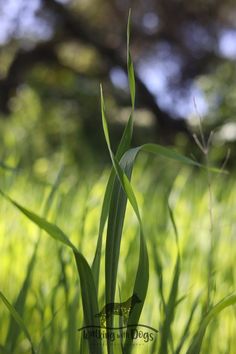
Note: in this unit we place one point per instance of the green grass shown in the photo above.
(69, 247)
(53, 309)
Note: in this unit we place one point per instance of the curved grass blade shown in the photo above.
(18, 320)
(51, 229)
(174, 155)
(88, 289)
(196, 344)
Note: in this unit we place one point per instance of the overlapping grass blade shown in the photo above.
(19, 320)
(196, 344)
(141, 281)
(113, 238)
(88, 289)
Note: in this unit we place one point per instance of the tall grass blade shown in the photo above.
(113, 239)
(196, 344)
(18, 319)
(142, 272)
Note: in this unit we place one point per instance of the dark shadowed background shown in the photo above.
(54, 54)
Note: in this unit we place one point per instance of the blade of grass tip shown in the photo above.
(19, 304)
(130, 66)
(196, 344)
(174, 155)
(187, 327)
(88, 289)
(169, 153)
(170, 310)
(18, 320)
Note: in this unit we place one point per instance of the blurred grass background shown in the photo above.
(53, 308)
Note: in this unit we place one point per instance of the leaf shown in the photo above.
(88, 289)
(51, 229)
(18, 319)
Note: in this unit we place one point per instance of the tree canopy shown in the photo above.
(60, 50)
